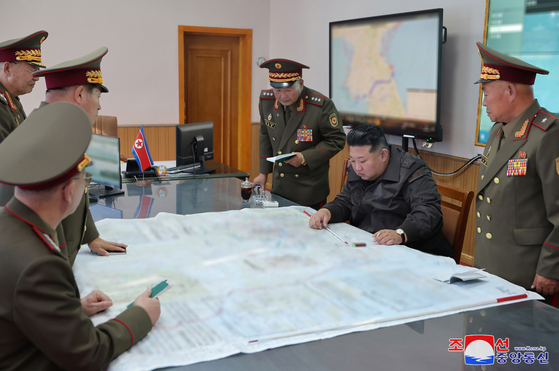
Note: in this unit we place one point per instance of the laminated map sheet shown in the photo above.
(249, 280)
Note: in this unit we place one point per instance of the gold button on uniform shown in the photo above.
(478, 214)
(282, 175)
(489, 236)
(483, 176)
(296, 141)
(296, 175)
(274, 139)
(488, 200)
(496, 180)
(478, 230)
(279, 152)
(480, 197)
(488, 217)
(280, 164)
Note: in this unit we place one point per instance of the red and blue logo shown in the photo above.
(479, 349)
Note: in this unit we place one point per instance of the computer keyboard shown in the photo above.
(178, 169)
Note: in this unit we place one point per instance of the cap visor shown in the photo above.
(483, 80)
(281, 85)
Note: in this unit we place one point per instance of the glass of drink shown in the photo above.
(246, 190)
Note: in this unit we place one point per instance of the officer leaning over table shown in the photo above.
(79, 81)
(42, 324)
(517, 204)
(297, 119)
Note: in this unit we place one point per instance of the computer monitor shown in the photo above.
(386, 70)
(195, 145)
(104, 152)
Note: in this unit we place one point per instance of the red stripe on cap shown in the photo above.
(514, 74)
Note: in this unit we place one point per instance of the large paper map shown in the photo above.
(245, 281)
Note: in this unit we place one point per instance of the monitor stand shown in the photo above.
(200, 170)
(100, 191)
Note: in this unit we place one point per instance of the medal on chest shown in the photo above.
(304, 134)
(518, 166)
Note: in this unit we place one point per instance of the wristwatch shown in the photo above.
(402, 234)
(303, 162)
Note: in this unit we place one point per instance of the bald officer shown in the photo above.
(42, 324)
(518, 198)
(296, 119)
(79, 81)
(19, 58)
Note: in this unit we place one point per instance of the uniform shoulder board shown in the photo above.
(3, 97)
(267, 94)
(316, 99)
(544, 119)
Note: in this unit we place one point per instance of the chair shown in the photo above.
(345, 171)
(106, 125)
(455, 217)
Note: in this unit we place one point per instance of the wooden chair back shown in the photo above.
(345, 171)
(455, 215)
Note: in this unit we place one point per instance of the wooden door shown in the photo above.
(215, 85)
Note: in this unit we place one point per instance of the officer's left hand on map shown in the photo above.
(95, 303)
(545, 286)
(102, 247)
(295, 160)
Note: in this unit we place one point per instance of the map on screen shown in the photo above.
(385, 71)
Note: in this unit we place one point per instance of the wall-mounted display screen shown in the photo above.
(528, 30)
(386, 71)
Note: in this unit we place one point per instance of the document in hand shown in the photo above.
(280, 158)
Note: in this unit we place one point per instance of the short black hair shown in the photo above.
(88, 87)
(367, 135)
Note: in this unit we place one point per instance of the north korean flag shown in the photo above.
(140, 151)
(144, 208)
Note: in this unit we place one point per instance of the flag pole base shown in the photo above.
(143, 183)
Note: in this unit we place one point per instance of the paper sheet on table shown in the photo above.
(249, 280)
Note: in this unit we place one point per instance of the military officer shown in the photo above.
(296, 119)
(42, 324)
(518, 198)
(19, 58)
(79, 81)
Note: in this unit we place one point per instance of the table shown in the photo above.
(422, 345)
(191, 196)
(221, 171)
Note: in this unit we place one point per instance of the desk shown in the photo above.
(421, 345)
(221, 171)
(190, 196)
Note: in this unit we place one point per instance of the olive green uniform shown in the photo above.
(518, 213)
(42, 324)
(77, 228)
(11, 115)
(314, 130)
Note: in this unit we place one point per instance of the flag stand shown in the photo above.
(142, 182)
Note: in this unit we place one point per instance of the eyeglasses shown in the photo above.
(87, 178)
(30, 71)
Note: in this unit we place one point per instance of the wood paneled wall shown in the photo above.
(162, 147)
(161, 141)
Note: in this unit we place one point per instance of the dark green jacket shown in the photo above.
(11, 115)
(78, 228)
(42, 324)
(517, 221)
(314, 115)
